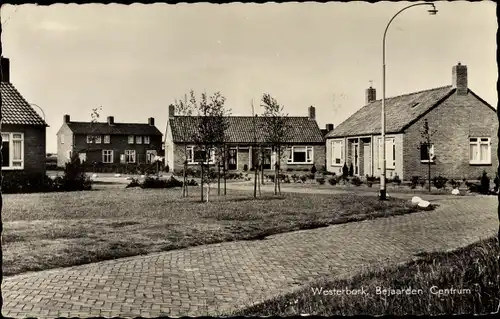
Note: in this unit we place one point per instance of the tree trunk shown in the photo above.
(208, 177)
(201, 182)
(224, 169)
(275, 177)
(429, 174)
(184, 174)
(256, 178)
(261, 165)
(279, 170)
(218, 178)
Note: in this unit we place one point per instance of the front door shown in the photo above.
(231, 159)
(367, 159)
(355, 158)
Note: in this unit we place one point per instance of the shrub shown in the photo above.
(496, 181)
(396, 180)
(311, 176)
(356, 181)
(295, 178)
(439, 182)
(320, 180)
(167, 168)
(289, 169)
(345, 171)
(414, 182)
(455, 184)
(422, 182)
(313, 170)
(21, 182)
(192, 182)
(303, 178)
(155, 182)
(485, 184)
(245, 167)
(133, 183)
(286, 180)
(351, 170)
(332, 181)
(75, 177)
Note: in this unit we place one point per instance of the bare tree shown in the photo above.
(210, 133)
(276, 130)
(427, 148)
(185, 108)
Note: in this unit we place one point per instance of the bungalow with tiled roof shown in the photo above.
(463, 144)
(23, 130)
(306, 143)
(109, 143)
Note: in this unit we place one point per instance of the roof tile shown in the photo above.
(15, 109)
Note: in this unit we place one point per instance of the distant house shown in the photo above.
(108, 143)
(23, 131)
(463, 145)
(306, 144)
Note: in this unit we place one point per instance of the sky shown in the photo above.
(133, 61)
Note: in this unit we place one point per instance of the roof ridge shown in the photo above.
(417, 92)
(115, 123)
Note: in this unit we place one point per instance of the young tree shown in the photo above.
(276, 130)
(427, 149)
(210, 133)
(258, 153)
(185, 108)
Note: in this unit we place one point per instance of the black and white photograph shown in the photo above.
(249, 159)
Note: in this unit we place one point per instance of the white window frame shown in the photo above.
(131, 139)
(98, 139)
(479, 141)
(138, 139)
(431, 154)
(11, 139)
(90, 139)
(291, 160)
(147, 140)
(130, 153)
(190, 157)
(107, 139)
(107, 153)
(334, 157)
(390, 156)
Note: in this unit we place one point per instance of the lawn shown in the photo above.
(473, 273)
(43, 231)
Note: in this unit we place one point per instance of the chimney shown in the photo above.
(66, 118)
(312, 112)
(329, 127)
(151, 121)
(171, 111)
(459, 78)
(111, 120)
(371, 95)
(5, 70)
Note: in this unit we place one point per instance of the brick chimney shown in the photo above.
(151, 121)
(66, 118)
(459, 78)
(111, 120)
(371, 95)
(312, 112)
(5, 70)
(171, 111)
(329, 127)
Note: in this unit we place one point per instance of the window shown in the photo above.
(337, 153)
(130, 156)
(13, 150)
(138, 140)
(90, 139)
(300, 155)
(62, 138)
(82, 157)
(427, 153)
(107, 139)
(131, 139)
(107, 156)
(98, 139)
(146, 139)
(195, 155)
(480, 150)
(150, 156)
(390, 153)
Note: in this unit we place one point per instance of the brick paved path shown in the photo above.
(215, 279)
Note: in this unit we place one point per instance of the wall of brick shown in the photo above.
(456, 119)
(63, 149)
(118, 143)
(34, 147)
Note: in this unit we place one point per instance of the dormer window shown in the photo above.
(414, 104)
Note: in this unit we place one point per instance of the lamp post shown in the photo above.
(432, 11)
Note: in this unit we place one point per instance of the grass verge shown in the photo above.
(43, 231)
(473, 273)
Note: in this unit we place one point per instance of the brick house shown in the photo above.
(23, 131)
(463, 145)
(305, 145)
(108, 143)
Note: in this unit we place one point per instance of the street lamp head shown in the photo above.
(432, 11)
